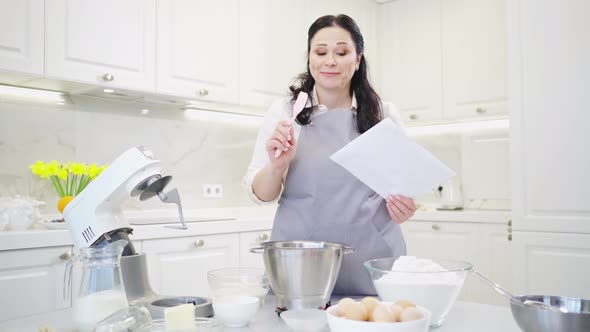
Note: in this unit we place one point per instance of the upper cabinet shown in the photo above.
(474, 57)
(197, 49)
(272, 49)
(409, 65)
(443, 59)
(21, 36)
(109, 42)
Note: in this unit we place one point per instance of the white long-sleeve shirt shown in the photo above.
(282, 109)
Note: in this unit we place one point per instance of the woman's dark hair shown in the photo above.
(368, 102)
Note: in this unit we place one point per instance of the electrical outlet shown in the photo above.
(212, 190)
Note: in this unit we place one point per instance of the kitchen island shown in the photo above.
(464, 317)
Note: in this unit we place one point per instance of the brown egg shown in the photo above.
(411, 313)
(405, 303)
(370, 303)
(343, 304)
(382, 313)
(396, 312)
(355, 311)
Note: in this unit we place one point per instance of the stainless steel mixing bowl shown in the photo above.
(302, 274)
(538, 319)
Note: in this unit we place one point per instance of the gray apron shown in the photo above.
(324, 202)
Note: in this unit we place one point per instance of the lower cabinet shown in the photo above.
(31, 281)
(552, 263)
(485, 246)
(179, 266)
(250, 240)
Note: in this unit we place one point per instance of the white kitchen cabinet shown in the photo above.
(550, 121)
(552, 263)
(21, 36)
(272, 49)
(494, 260)
(549, 72)
(197, 49)
(250, 240)
(31, 281)
(473, 40)
(443, 59)
(179, 266)
(109, 43)
(409, 64)
(485, 246)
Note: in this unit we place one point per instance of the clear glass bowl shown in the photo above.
(436, 291)
(238, 281)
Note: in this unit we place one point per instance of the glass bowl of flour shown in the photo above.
(432, 283)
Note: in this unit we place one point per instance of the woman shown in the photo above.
(320, 200)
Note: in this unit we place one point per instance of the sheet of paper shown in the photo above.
(390, 163)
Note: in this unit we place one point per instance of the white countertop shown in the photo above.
(464, 317)
(244, 219)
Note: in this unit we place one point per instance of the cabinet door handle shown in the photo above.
(66, 256)
(435, 227)
(263, 237)
(203, 92)
(509, 237)
(108, 77)
(199, 243)
(509, 222)
(480, 110)
(413, 117)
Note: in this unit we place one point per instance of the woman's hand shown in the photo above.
(282, 138)
(400, 208)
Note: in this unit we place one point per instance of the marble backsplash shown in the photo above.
(90, 130)
(194, 152)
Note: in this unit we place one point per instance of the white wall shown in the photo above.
(90, 130)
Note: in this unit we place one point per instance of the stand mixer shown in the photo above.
(95, 218)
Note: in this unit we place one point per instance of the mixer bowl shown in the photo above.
(536, 319)
(302, 274)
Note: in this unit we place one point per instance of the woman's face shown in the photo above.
(333, 58)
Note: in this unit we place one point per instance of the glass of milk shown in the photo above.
(434, 284)
(101, 288)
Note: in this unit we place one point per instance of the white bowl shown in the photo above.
(235, 310)
(305, 320)
(341, 324)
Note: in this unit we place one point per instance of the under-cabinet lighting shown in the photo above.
(459, 127)
(224, 117)
(144, 111)
(39, 94)
(108, 91)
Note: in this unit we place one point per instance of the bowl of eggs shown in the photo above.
(371, 315)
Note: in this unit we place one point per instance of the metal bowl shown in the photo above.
(535, 319)
(302, 274)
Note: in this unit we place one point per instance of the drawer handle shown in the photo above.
(199, 243)
(436, 227)
(509, 237)
(263, 237)
(66, 256)
(480, 110)
(413, 117)
(108, 77)
(203, 92)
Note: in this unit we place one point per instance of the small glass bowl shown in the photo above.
(238, 281)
